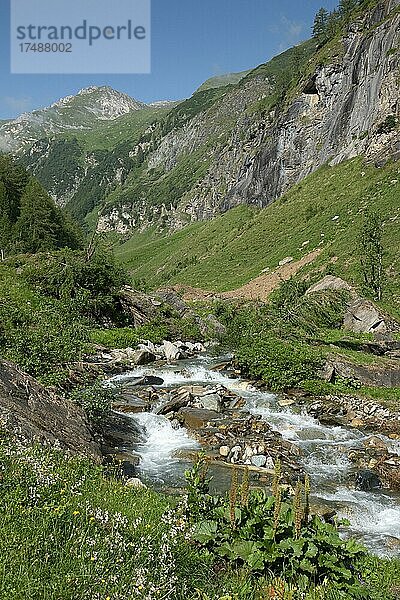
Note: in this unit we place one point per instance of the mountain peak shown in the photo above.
(76, 112)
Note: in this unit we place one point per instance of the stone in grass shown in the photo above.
(136, 483)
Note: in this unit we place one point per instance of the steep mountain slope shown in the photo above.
(222, 80)
(250, 142)
(79, 112)
(81, 166)
(323, 213)
(242, 143)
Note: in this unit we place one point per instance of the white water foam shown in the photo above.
(373, 515)
(163, 441)
(175, 377)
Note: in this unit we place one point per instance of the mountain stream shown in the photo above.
(374, 515)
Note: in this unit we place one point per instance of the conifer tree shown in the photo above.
(320, 26)
(37, 228)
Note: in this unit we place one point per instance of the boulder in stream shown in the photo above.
(367, 481)
(171, 351)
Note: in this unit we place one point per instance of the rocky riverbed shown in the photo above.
(178, 406)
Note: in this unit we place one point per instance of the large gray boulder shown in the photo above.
(330, 282)
(171, 351)
(361, 316)
(34, 413)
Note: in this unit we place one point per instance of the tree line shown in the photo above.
(30, 221)
(328, 24)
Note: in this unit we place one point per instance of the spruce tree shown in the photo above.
(320, 26)
(38, 227)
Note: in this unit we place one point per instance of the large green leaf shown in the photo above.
(205, 531)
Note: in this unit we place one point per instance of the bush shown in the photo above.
(91, 286)
(280, 364)
(128, 337)
(40, 340)
(95, 400)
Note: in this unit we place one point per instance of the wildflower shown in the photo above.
(75, 513)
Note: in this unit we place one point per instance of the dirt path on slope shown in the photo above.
(257, 289)
(261, 287)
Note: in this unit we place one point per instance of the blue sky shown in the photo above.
(192, 40)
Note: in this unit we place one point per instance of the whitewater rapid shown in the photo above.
(374, 516)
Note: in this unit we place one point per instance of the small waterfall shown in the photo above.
(158, 452)
(172, 376)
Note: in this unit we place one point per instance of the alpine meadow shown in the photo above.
(200, 329)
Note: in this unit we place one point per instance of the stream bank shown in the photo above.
(201, 402)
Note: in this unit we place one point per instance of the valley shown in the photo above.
(200, 332)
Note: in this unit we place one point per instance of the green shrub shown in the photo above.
(127, 337)
(280, 364)
(40, 340)
(95, 400)
(90, 285)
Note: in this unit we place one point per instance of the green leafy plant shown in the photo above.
(371, 254)
(272, 533)
(96, 400)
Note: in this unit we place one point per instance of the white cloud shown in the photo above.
(290, 32)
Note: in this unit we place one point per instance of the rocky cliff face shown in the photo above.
(248, 142)
(348, 105)
(345, 110)
(34, 413)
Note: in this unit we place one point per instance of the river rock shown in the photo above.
(269, 464)
(132, 405)
(140, 357)
(367, 481)
(148, 345)
(171, 352)
(235, 453)
(211, 402)
(224, 451)
(259, 460)
(286, 402)
(196, 418)
(246, 386)
(375, 442)
(152, 380)
(173, 405)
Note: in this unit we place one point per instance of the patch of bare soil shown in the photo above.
(257, 289)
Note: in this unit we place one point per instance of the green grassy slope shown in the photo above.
(325, 210)
(108, 134)
(223, 80)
